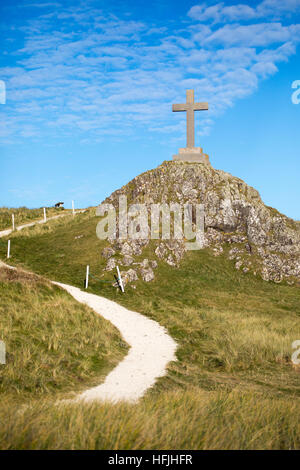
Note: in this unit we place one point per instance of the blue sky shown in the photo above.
(89, 89)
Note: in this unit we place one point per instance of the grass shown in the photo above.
(194, 419)
(233, 386)
(54, 344)
(24, 215)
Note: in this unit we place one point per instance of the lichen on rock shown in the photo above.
(234, 215)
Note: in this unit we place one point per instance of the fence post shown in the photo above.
(73, 209)
(45, 216)
(87, 276)
(8, 249)
(2, 352)
(13, 221)
(120, 279)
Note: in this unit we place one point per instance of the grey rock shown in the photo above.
(145, 263)
(108, 252)
(234, 214)
(111, 264)
(129, 276)
(147, 274)
(127, 260)
(132, 275)
(238, 264)
(217, 250)
(170, 260)
(126, 249)
(161, 251)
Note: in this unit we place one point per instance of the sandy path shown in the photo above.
(151, 350)
(4, 233)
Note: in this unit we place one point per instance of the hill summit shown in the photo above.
(238, 225)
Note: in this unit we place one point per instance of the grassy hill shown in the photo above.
(234, 385)
(54, 345)
(24, 215)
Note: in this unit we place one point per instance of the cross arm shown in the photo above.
(179, 107)
(200, 106)
(192, 106)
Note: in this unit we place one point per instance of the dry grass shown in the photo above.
(24, 215)
(233, 386)
(54, 344)
(193, 419)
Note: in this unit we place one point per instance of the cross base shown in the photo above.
(193, 155)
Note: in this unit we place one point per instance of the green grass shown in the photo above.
(194, 419)
(227, 324)
(54, 344)
(54, 245)
(234, 367)
(24, 215)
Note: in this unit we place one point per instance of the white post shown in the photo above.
(120, 279)
(13, 221)
(87, 276)
(45, 216)
(8, 249)
(73, 210)
(2, 352)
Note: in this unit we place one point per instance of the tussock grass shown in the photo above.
(233, 386)
(193, 419)
(53, 343)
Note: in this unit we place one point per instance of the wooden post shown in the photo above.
(13, 221)
(120, 279)
(87, 277)
(73, 210)
(2, 353)
(8, 249)
(45, 216)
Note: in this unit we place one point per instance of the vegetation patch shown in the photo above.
(54, 344)
(234, 384)
(24, 215)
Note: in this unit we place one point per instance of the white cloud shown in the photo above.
(264, 69)
(261, 34)
(111, 77)
(219, 13)
(277, 7)
(42, 5)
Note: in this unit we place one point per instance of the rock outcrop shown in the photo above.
(238, 224)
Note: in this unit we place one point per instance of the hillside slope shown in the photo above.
(54, 345)
(261, 240)
(24, 215)
(234, 384)
(233, 387)
(230, 326)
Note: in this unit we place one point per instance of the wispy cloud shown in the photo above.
(42, 5)
(84, 73)
(220, 13)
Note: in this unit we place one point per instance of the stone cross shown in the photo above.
(190, 106)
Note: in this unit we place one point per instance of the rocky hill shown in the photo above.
(257, 238)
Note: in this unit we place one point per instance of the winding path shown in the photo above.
(151, 350)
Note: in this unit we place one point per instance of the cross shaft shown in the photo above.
(190, 106)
